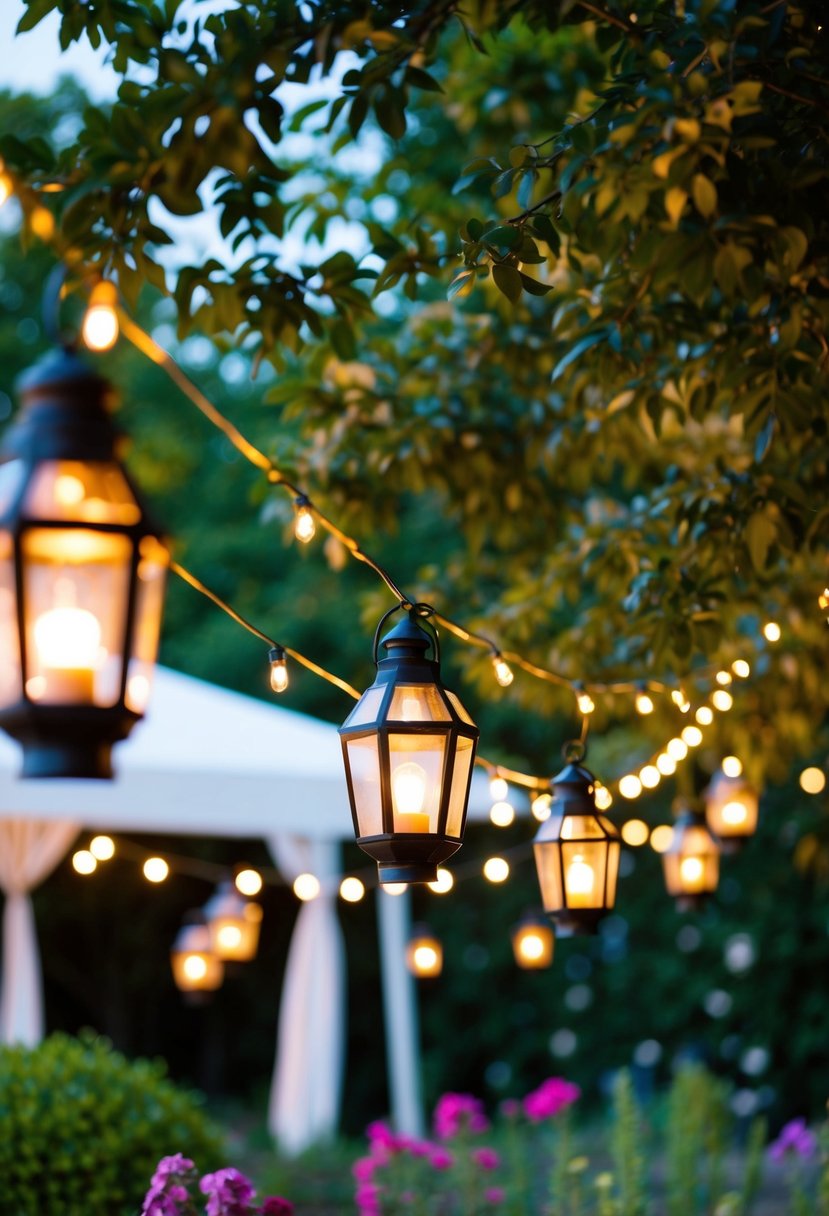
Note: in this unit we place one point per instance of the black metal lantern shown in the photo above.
(82, 575)
(692, 862)
(576, 853)
(731, 810)
(197, 969)
(408, 746)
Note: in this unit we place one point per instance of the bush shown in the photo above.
(82, 1127)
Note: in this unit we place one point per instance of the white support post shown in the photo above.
(400, 1009)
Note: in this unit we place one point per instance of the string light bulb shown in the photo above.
(6, 186)
(635, 832)
(279, 668)
(630, 786)
(248, 881)
(661, 838)
(444, 882)
(666, 764)
(155, 869)
(650, 776)
(692, 736)
(503, 672)
(306, 887)
(424, 953)
(498, 789)
(677, 749)
(502, 814)
(680, 700)
(496, 869)
(732, 766)
(723, 677)
(772, 631)
(352, 889)
(722, 700)
(100, 327)
(704, 715)
(585, 703)
(102, 848)
(741, 669)
(540, 807)
(304, 524)
(604, 798)
(812, 780)
(84, 862)
(644, 703)
(533, 942)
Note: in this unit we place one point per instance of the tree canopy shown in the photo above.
(582, 311)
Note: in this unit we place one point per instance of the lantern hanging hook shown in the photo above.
(574, 751)
(422, 611)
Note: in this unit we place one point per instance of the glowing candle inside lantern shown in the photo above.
(692, 873)
(408, 783)
(531, 947)
(195, 967)
(580, 882)
(734, 813)
(68, 641)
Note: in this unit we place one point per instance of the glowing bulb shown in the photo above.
(408, 784)
(531, 947)
(42, 223)
(723, 677)
(662, 838)
(635, 832)
(585, 703)
(503, 672)
(741, 669)
(5, 188)
(704, 715)
(445, 882)
(580, 878)
(68, 638)
(734, 813)
(666, 764)
(248, 882)
(84, 862)
(677, 749)
(230, 937)
(812, 781)
(644, 703)
(279, 669)
(604, 798)
(823, 599)
(304, 526)
(496, 869)
(425, 958)
(732, 766)
(771, 631)
(680, 700)
(100, 323)
(692, 735)
(541, 807)
(306, 887)
(691, 871)
(394, 888)
(630, 786)
(156, 869)
(194, 967)
(650, 776)
(722, 700)
(502, 814)
(102, 848)
(352, 890)
(498, 789)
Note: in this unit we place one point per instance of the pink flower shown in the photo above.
(275, 1205)
(229, 1193)
(486, 1158)
(458, 1112)
(440, 1159)
(382, 1140)
(551, 1097)
(367, 1198)
(166, 1191)
(495, 1195)
(794, 1138)
(364, 1167)
(420, 1148)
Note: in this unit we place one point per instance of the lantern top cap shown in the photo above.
(575, 775)
(407, 635)
(62, 372)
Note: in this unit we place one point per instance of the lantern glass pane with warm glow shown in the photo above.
(195, 967)
(408, 749)
(731, 809)
(10, 678)
(233, 925)
(692, 863)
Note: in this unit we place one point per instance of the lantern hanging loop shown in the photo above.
(424, 613)
(574, 751)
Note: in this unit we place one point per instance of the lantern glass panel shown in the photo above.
(417, 763)
(76, 584)
(581, 827)
(367, 708)
(364, 764)
(584, 873)
(464, 751)
(197, 971)
(614, 852)
(9, 642)
(548, 864)
(92, 492)
(458, 708)
(417, 703)
(149, 603)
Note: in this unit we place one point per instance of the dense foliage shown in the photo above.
(81, 1128)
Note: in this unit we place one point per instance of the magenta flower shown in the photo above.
(458, 1112)
(275, 1205)
(486, 1158)
(495, 1195)
(364, 1167)
(795, 1139)
(229, 1192)
(552, 1096)
(166, 1191)
(367, 1198)
(440, 1159)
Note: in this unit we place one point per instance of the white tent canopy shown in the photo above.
(210, 762)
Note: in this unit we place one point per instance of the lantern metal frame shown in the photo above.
(410, 857)
(574, 796)
(66, 417)
(721, 790)
(689, 819)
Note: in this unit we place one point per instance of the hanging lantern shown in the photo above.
(82, 575)
(576, 852)
(692, 862)
(408, 748)
(196, 969)
(731, 810)
(233, 924)
(424, 953)
(533, 942)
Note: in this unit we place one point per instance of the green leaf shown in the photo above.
(35, 12)
(760, 533)
(577, 350)
(508, 281)
(704, 194)
(464, 280)
(504, 237)
(764, 437)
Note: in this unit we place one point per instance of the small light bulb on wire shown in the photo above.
(704, 715)
(102, 848)
(732, 766)
(723, 677)
(304, 526)
(155, 869)
(84, 862)
(352, 889)
(692, 735)
(498, 789)
(680, 700)
(496, 869)
(585, 703)
(772, 631)
(604, 798)
(503, 672)
(6, 187)
(644, 703)
(100, 323)
(502, 814)
(650, 776)
(630, 786)
(741, 669)
(248, 881)
(666, 764)
(722, 700)
(445, 882)
(279, 668)
(541, 807)
(677, 749)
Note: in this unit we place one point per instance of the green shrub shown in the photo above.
(82, 1128)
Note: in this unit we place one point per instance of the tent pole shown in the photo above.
(400, 1009)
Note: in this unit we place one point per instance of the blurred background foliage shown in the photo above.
(568, 502)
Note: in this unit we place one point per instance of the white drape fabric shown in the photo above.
(307, 1083)
(29, 851)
